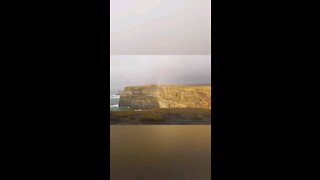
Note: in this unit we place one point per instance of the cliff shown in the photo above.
(169, 96)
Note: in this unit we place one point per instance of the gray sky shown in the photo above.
(160, 27)
(160, 69)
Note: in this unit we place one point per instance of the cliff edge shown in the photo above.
(166, 96)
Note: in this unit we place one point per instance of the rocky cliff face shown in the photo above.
(154, 96)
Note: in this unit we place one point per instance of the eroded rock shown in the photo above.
(169, 96)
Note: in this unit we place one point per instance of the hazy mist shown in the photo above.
(164, 27)
(160, 69)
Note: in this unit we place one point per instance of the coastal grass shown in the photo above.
(161, 116)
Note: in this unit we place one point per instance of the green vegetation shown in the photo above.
(162, 116)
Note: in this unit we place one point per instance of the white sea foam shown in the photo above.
(114, 96)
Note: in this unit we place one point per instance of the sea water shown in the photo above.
(114, 103)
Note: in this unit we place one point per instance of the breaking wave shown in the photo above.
(115, 106)
(114, 96)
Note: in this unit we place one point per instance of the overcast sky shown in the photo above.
(161, 69)
(160, 27)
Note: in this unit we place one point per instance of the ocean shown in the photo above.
(114, 103)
